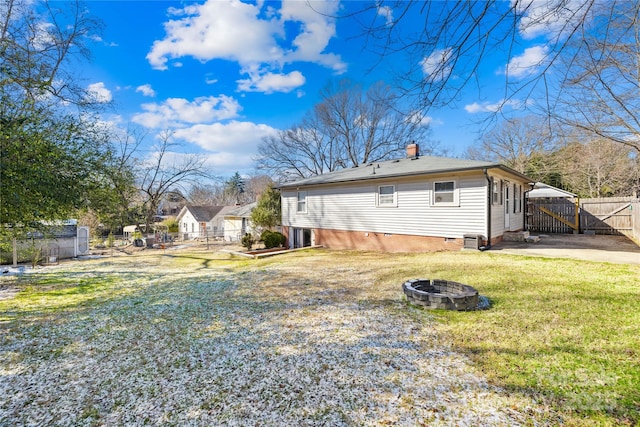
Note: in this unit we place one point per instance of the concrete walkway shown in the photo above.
(616, 249)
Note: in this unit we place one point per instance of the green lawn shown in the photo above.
(565, 332)
(562, 334)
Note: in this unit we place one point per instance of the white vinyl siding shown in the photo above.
(353, 207)
(516, 221)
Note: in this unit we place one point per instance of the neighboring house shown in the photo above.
(237, 222)
(202, 221)
(418, 203)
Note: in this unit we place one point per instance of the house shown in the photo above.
(196, 222)
(418, 203)
(237, 222)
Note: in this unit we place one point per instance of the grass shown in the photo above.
(565, 332)
(560, 333)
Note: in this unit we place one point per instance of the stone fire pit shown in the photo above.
(441, 294)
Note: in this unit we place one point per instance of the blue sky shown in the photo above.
(224, 74)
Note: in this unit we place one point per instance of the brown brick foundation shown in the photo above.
(368, 241)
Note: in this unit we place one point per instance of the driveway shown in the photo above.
(616, 249)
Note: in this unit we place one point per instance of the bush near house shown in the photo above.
(272, 239)
(247, 241)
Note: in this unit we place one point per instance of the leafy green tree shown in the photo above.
(50, 150)
(268, 211)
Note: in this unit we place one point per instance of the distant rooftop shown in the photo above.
(542, 190)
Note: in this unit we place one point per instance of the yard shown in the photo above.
(318, 337)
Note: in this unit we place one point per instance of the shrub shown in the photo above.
(110, 240)
(247, 241)
(172, 225)
(272, 239)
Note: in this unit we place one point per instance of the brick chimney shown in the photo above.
(413, 151)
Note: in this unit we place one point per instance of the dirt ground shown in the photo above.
(616, 249)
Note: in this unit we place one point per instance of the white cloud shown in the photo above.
(526, 64)
(553, 19)
(270, 82)
(228, 30)
(438, 65)
(317, 29)
(146, 90)
(419, 118)
(253, 35)
(179, 111)
(232, 146)
(387, 13)
(487, 107)
(97, 92)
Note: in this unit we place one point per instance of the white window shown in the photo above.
(517, 204)
(387, 195)
(496, 191)
(302, 202)
(445, 193)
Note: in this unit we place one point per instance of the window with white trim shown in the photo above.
(302, 202)
(496, 191)
(445, 193)
(387, 195)
(517, 195)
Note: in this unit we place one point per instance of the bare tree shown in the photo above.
(218, 194)
(349, 127)
(599, 168)
(204, 194)
(166, 171)
(523, 144)
(600, 93)
(581, 68)
(303, 150)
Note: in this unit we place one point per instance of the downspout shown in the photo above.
(489, 200)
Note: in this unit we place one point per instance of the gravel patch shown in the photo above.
(278, 346)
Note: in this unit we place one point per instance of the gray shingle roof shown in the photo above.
(204, 213)
(423, 165)
(242, 211)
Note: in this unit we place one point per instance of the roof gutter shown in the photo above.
(301, 183)
(489, 200)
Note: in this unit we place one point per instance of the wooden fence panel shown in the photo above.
(541, 222)
(611, 215)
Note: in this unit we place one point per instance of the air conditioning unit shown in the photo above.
(472, 241)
